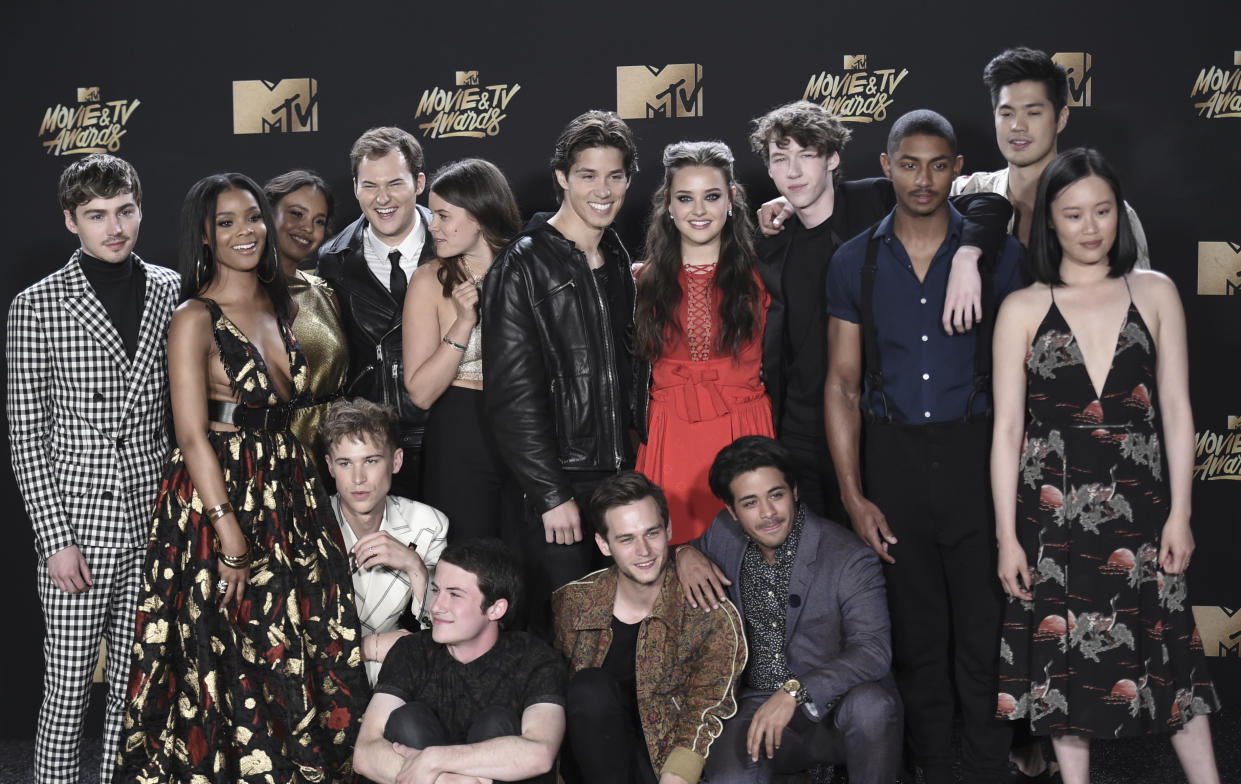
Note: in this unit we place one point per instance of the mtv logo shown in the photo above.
(88, 94)
(1219, 268)
(287, 106)
(645, 91)
(1220, 630)
(1080, 69)
(1234, 422)
(467, 78)
(1236, 58)
(855, 62)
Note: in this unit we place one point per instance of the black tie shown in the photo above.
(396, 279)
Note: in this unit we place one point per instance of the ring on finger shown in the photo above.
(222, 585)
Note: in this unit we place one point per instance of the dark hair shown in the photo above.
(1065, 169)
(494, 566)
(97, 176)
(921, 122)
(594, 128)
(378, 142)
(479, 188)
(659, 287)
(357, 418)
(283, 184)
(622, 489)
(807, 123)
(1023, 64)
(746, 454)
(196, 248)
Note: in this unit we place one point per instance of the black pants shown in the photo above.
(416, 725)
(549, 566)
(815, 475)
(462, 474)
(604, 742)
(931, 483)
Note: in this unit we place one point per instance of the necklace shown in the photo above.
(477, 280)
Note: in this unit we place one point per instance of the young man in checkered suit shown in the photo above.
(88, 422)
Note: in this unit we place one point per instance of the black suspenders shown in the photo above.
(870, 336)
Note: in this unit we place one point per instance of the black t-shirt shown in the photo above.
(805, 326)
(519, 671)
(121, 288)
(613, 289)
(621, 663)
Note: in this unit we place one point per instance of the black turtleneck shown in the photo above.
(121, 287)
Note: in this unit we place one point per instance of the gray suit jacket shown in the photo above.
(836, 630)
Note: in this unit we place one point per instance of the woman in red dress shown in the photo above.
(698, 329)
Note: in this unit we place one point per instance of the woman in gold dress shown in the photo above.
(303, 208)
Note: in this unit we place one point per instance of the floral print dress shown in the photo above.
(273, 691)
(1108, 646)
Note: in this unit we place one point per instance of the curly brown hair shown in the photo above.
(806, 123)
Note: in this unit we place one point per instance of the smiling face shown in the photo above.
(699, 201)
(458, 618)
(765, 506)
(803, 175)
(921, 168)
(1026, 124)
(239, 231)
(454, 229)
(594, 188)
(1084, 216)
(107, 228)
(387, 191)
(301, 222)
(637, 540)
(363, 472)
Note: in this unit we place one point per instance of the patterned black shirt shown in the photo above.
(765, 598)
(519, 671)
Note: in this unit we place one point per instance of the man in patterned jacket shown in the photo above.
(651, 678)
(88, 422)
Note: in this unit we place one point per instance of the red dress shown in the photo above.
(700, 403)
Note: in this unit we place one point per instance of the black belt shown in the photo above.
(272, 418)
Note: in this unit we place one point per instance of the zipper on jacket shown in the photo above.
(611, 369)
(379, 358)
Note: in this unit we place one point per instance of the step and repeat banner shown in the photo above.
(271, 86)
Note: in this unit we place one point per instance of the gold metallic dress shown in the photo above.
(270, 691)
(318, 331)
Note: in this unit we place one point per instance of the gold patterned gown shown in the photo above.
(318, 331)
(272, 691)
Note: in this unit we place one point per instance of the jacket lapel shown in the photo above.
(803, 572)
(85, 307)
(151, 334)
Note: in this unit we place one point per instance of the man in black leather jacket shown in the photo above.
(557, 323)
(359, 265)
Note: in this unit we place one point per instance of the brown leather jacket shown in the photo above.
(687, 663)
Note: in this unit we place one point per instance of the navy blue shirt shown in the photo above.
(927, 374)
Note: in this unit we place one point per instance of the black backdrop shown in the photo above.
(373, 64)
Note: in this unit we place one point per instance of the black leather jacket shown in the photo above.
(551, 392)
(372, 322)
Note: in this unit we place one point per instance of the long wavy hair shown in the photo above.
(196, 249)
(659, 288)
(478, 187)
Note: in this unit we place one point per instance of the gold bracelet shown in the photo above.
(233, 561)
(455, 344)
(218, 511)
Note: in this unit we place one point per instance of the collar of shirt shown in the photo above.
(376, 251)
(887, 232)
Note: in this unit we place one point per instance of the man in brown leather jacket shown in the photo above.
(557, 317)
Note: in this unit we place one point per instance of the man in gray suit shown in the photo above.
(817, 688)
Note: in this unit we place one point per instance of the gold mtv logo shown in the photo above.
(88, 94)
(1080, 69)
(467, 78)
(1220, 630)
(855, 62)
(290, 105)
(644, 91)
(1234, 422)
(1219, 268)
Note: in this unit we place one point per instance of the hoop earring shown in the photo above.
(200, 268)
(269, 279)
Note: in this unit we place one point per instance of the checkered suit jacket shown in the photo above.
(89, 428)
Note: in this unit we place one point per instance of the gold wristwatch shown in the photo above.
(794, 688)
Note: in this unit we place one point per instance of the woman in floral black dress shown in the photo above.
(1091, 464)
(246, 666)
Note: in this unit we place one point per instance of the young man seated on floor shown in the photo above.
(471, 701)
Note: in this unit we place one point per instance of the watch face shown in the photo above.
(792, 686)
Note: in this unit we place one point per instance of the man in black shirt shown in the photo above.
(557, 317)
(473, 700)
